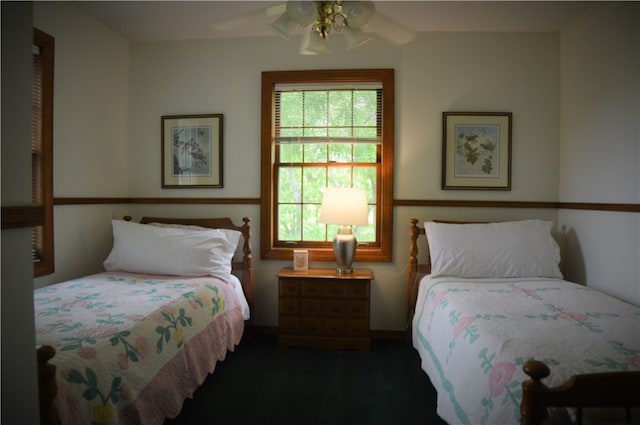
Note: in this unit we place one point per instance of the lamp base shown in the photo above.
(344, 248)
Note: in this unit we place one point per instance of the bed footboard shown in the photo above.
(598, 390)
(47, 388)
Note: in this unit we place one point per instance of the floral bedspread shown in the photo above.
(473, 336)
(130, 348)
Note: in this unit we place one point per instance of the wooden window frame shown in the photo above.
(382, 252)
(43, 177)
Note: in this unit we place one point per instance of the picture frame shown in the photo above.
(476, 150)
(192, 151)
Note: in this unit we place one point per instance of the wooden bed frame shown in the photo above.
(598, 390)
(243, 268)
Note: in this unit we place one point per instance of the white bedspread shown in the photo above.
(473, 335)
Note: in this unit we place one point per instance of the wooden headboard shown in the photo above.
(242, 268)
(416, 269)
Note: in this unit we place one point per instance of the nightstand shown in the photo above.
(319, 308)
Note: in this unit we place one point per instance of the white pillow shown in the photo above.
(510, 249)
(231, 235)
(140, 248)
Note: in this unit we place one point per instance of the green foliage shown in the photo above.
(306, 168)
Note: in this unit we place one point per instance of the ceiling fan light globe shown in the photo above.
(302, 12)
(305, 43)
(317, 44)
(355, 37)
(283, 26)
(358, 12)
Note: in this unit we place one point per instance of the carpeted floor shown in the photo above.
(259, 384)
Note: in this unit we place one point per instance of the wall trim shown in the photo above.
(592, 206)
(30, 215)
(184, 201)
(22, 216)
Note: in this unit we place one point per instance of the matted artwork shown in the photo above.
(476, 150)
(192, 151)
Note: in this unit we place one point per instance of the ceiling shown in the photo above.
(142, 21)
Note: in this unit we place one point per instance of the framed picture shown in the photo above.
(192, 151)
(476, 150)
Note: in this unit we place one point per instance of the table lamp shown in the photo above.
(346, 207)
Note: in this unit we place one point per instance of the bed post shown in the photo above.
(247, 272)
(532, 410)
(414, 232)
(47, 388)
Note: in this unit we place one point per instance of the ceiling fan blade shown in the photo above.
(250, 17)
(389, 29)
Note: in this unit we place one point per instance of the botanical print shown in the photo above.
(191, 149)
(477, 150)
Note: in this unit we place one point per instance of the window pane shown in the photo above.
(364, 152)
(290, 184)
(340, 109)
(315, 109)
(315, 152)
(312, 230)
(365, 178)
(365, 108)
(289, 222)
(290, 152)
(367, 233)
(315, 180)
(291, 109)
(340, 152)
(339, 177)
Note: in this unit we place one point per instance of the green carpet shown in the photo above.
(259, 384)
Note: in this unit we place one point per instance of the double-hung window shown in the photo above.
(325, 129)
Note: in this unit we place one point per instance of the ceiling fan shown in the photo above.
(353, 19)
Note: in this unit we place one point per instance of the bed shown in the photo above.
(491, 317)
(130, 344)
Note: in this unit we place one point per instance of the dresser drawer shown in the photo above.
(357, 290)
(290, 288)
(334, 327)
(335, 308)
(313, 288)
(312, 308)
(290, 307)
(334, 289)
(357, 328)
(357, 309)
(312, 327)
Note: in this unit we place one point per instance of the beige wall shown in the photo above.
(600, 148)
(516, 72)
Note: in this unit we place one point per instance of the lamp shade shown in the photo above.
(344, 206)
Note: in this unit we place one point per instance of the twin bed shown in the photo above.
(489, 303)
(129, 345)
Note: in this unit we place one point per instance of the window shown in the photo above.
(320, 129)
(42, 150)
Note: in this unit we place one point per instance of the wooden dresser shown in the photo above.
(319, 308)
